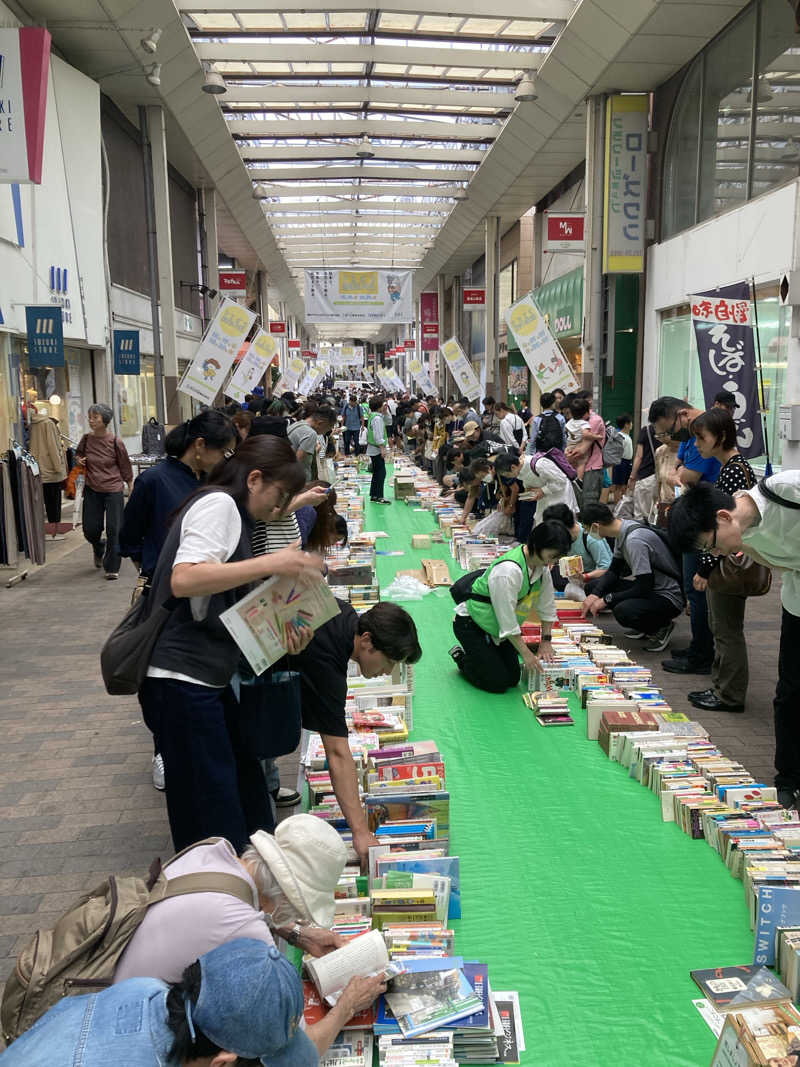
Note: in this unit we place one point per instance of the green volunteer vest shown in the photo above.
(370, 431)
(483, 614)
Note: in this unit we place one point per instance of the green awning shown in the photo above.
(561, 302)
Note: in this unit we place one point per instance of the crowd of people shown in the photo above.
(243, 493)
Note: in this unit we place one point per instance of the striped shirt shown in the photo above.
(273, 536)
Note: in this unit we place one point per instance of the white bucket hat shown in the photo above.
(307, 858)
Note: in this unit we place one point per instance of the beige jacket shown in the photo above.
(46, 448)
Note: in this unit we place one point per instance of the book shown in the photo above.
(446, 866)
(439, 884)
(734, 988)
(315, 1009)
(430, 994)
(260, 622)
(360, 957)
(508, 1046)
(778, 906)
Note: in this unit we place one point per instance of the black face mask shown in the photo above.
(681, 434)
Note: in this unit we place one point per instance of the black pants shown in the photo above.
(493, 668)
(378, 477)
(787, 693)
(701, 649)
(350, 438)
(103, 510)
(51, 491)
(646, 614)
(213, 787)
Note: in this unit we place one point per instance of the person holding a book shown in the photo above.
(376, 642)
(214, 786)
(488, 623)
(594, 551)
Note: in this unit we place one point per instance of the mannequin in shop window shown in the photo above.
(47, 449)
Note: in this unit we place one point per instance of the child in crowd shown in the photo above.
(576, 427)
(620, 474)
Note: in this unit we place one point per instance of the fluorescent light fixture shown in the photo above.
(150, 43)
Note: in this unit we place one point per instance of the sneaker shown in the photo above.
(379, 500)
(456, 653)
(788, 797)
(634, 635)
(680, 653)
(111, 576)
(287, 798)
(659, 641)
(158, 773)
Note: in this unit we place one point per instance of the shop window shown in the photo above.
(739, 106)
(507, 288)
(136, 399)
(680, 171)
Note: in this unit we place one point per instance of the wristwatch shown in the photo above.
(608, 598)
(293, 936)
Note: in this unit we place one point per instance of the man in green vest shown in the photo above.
(376, 448)
(488, 623)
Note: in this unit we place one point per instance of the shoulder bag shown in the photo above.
(269, 720)
(740, 575)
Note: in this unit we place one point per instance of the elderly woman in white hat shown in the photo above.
(291, 878)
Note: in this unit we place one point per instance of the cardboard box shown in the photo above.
(420, 540)
(436, 572)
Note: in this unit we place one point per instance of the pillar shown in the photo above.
(441, 374)
(166, 278)
(212, 238)
(593, 263)
(491, 256)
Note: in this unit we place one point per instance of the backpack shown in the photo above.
(549, 434)
(663, 536)
(555, 455)
(461, 589)
(614, 447)
(80, 952)
(153, 438)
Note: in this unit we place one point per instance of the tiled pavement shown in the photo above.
(76, 801)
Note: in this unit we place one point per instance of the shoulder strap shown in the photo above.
(748, 470)
(585, 545)
(205, 883)
(772, 496)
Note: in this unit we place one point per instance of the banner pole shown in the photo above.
(768, 469)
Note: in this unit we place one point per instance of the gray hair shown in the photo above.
(103, 410)
(283, 911)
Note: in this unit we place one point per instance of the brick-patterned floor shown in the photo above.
(76, 801)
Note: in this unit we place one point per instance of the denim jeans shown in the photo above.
(701, 649)
(99, 510)
(350, 438)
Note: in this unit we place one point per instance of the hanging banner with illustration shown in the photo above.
(358, 296)
(548, 364)
(205, 375)
(421, 376)
(311, 380)
(291, 376)
(723, 329)
(253, 366)
(461, 369)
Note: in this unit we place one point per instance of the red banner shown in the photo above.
(277, 327)
(308, 353)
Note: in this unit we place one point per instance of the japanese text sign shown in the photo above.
(625, 191)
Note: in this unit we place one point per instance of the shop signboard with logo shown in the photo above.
(625, 183)
(548, 364)
(45, 336)
(205, 375)
(277, 328)
(295, 343)
(233, 284)
(474, 299)
(358, 296)
(564, 231)
(126, 352)
(24, 69)
(252, 367)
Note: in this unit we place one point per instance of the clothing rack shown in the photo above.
(21, 511)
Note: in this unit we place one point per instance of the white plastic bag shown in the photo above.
(624, 509)
(362, 435)
(404, 587)
(494, 524)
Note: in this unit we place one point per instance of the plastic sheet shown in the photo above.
(575, 892)
(404, 587)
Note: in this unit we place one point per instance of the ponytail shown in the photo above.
(213, 426)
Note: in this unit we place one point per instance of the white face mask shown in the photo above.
(488, 478)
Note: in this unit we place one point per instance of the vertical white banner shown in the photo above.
(204, 376)
(549, 366)
(291, 376)
(253, 366)
(461, 369)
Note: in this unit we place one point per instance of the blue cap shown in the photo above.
(251, 1003)
(257, 391)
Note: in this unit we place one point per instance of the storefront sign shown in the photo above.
(59, 292)
(126, 352)
(253, 366)
(429, 321)
(294, 343)
(474, 299)
(204, 376)
(277, 327)
(625, 184)
(45, 336)
(24, 68)
(430, 336)
(548, 364)
(461, 369)
(290, 377)
(309, 353)
(233, 283)
(563, 231)
(723, 329)
(358, 296)
(421, 376)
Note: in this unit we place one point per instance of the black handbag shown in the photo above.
(269, 720)
(125, 656)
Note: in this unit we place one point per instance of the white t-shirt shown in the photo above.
(508, 424)
(777, 536)
(210, 532)
(175, 932)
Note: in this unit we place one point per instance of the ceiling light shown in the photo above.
(213, 82)
(150, 43)
(526, 90)
(462, 194)
(364, 149)
(153, 75)
(259, 192)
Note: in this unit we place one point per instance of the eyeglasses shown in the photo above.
(711, 546)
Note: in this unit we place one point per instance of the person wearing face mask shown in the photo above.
(642, 584)
(672, 418)
(594, 551)
(761, 522)
(214, 787)
(487, 624)
(474, 490)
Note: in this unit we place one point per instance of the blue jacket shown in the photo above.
(125, 1024)
(157, 493)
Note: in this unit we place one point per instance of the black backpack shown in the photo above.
(663, 536)
(461, 589)
(549, 435)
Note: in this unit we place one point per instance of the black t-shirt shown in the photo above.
(323, 673)
(647, 440)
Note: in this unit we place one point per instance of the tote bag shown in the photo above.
(269, 722)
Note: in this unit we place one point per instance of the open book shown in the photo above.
(260, 622)
(360, 957)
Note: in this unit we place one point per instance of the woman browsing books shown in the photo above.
(488, 621)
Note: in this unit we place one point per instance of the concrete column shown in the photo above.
(593, 263)
(212, 237)
(492, 240)
(441, 373)
(790, 459)
(536, 261)
(166, 278)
